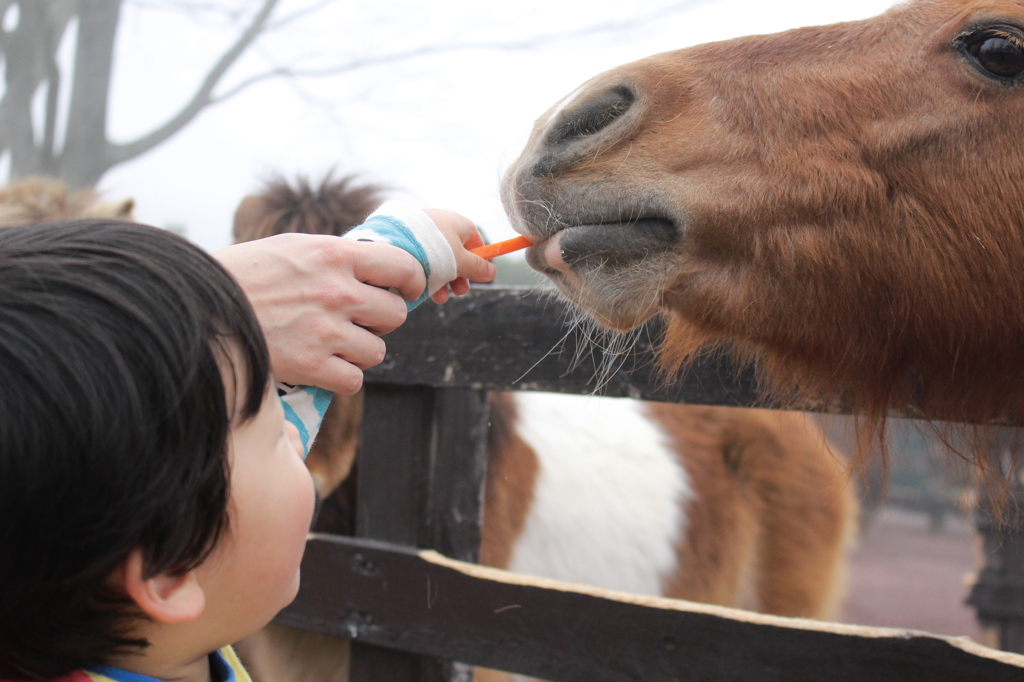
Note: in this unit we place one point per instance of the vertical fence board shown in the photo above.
(998, 592)
(394, 462)
(374, 664)
(393, 459)
(455, 504)
(453, 517)
(420, 480)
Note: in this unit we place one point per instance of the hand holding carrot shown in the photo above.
(462, 235)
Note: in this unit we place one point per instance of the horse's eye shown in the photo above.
(998, 52)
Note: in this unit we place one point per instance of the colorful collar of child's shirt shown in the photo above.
(224, 667)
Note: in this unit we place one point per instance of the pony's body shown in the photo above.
(734, 507)
(715, 505)
(843, 203)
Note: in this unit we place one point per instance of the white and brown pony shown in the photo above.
(842, 204)
(735, 507)
(41, 199)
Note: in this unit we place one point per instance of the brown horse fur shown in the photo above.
(332, 208)
(846, 205)
(40, 199)
(777, 531)
(768, 526)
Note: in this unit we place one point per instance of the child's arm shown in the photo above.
(462, 235)
(439, 240)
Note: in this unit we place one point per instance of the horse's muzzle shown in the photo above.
(607, 245)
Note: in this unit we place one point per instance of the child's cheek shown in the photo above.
(302, 518)
(280, 527)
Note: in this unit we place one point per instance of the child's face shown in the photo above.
(254, 571)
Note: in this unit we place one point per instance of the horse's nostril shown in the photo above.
(593, 116)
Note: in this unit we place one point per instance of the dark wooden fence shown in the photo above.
(419, 486)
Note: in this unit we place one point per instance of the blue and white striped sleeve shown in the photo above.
(399, 224)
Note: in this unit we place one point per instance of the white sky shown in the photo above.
(438, 129)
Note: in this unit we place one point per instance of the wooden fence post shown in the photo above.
(420, 478)
(998, 592)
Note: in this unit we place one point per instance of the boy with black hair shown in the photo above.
(154, 501)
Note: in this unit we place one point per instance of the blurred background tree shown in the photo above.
(54, 111)
(77, 149)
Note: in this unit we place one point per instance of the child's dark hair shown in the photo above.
(120, 348)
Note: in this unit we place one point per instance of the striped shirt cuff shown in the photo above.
(410, 229)
(304, 406)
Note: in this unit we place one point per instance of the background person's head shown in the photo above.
(132, 370)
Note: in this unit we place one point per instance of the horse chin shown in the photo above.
(615, 271)
(617, 297)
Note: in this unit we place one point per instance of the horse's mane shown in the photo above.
(333, 207)
(40, 199)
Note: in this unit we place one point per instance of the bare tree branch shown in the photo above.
(29, 51)
(26, 68)
(30, 56)
(430, 50)
(298, 14)
(52, 96)
(59, 13)
(86, 134)
(5, 100)
(193, 7)
(116, 153)
(4, 6)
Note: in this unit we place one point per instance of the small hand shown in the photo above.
(462, 234)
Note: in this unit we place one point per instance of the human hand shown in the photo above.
(323, 303)
(462, 235)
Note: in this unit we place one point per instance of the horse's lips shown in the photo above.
(550, 252)
(601, 245)
(546, 257)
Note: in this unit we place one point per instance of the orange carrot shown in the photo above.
(501, 248)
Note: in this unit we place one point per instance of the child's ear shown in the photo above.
(166, 597)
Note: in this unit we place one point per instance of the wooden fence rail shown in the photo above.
(419, 485)
(424, 603)
(510, 339)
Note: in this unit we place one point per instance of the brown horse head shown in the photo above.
(843, 203)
